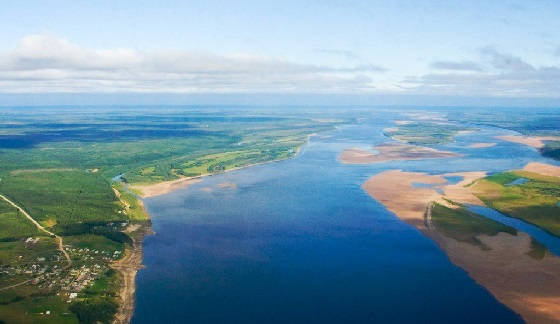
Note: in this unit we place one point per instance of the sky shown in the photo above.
(508, 50)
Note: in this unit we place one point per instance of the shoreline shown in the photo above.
(128, 267)
(131, 262)
(165, 187)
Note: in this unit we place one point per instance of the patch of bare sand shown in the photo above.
(543, 168)
(392, 152)
(532, 141)
(481, 145)
(227, 185)
(460, 192)
(529, 286)
(162, 188)
(394, 189)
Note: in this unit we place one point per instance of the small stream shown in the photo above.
(550, 241)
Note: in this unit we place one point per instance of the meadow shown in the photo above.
(535, 199)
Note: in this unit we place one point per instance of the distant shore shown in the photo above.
(165, 187)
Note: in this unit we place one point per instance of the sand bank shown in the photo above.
(529, 286)
(392, 152)
(481, 145)
(162, 188)
(227, 185)
(543, 168)
(532, 141)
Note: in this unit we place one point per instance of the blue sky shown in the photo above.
(458, 48)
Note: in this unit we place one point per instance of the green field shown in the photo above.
(13, 225)
(535, 201)
(425, 133)
(464, 226)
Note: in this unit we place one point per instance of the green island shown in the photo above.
(425, 132)
(532, 197)
(71, 172)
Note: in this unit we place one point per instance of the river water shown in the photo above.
(299, 241)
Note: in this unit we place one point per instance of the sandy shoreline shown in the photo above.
(393, 152)
(165, 187)
(128, 267)
(528, 285)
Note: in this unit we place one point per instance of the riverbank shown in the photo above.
(128, 267)
(503, 263)
(165, 187)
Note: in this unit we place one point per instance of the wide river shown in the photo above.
(299, 241)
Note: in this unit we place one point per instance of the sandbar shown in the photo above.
(227, 185)
(392, 152)
(543, 168)
(529, 286)
(481, 145)
(162, 188)
(532, 141)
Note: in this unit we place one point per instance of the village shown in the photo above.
(52, 275)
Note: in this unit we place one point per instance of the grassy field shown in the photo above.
(425, 133)
(464, 226)
(13, 225)
(535, 201)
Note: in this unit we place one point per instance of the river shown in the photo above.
(299, 241)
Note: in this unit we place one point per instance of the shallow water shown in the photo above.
(300, 241)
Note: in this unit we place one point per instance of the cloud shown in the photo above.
(44, 63)
(500, 74)
(504, 61)
(456, 66)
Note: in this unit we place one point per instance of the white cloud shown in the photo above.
(44, 63)
(498, 74)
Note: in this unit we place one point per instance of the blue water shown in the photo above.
(550, 241)
(518, 181)
(434, 186)
(299, 241)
